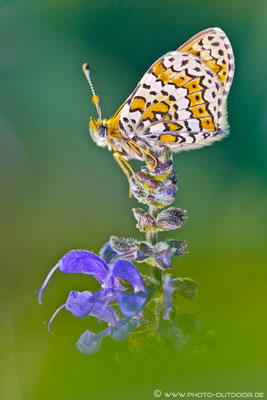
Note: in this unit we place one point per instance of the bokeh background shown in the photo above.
(60, 192)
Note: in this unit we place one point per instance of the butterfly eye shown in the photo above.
(102, 131)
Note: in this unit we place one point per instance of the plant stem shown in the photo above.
(152, 238)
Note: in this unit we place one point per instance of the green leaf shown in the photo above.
(188, 323)
(185, 287)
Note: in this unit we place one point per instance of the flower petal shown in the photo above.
(90, 342)
(130, 304)
(121, 330)
(125, 270)
(84, 262)
(83, 304)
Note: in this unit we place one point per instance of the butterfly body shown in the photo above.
(179, 104)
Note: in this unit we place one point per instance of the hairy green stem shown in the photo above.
(152, 238)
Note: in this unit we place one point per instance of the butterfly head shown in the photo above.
(98, 131)
(98, 128)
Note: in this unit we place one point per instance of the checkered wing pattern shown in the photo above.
(180, 102)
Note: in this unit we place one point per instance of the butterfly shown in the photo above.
(179, 104)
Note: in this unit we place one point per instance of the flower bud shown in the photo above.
(177, 247)
(148, 182)
(162, 255)
(108, 254)
(125, 248)
(145, 222)
(170, 219)
(131, 249)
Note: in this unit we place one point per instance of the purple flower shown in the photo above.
(90, 342)
(82, 304)
(97, 304)
(167, 328)
(167, 290)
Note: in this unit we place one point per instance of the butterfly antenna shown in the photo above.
(95, 98)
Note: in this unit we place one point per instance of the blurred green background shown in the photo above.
(59, 192)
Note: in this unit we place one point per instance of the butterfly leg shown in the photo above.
(122, 162)
(135, 148)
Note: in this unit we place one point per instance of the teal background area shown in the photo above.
(61, 192)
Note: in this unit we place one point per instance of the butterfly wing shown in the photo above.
(214, 48)
(180, 100)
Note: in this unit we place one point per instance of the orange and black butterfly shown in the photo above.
(179, 104)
